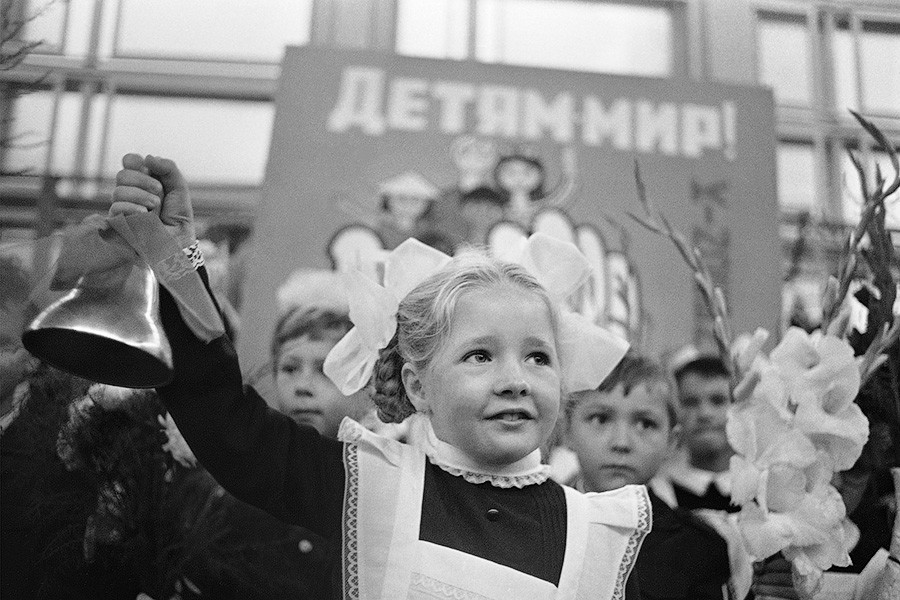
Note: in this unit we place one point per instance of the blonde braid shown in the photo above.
(389, 395)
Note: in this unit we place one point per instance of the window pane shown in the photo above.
(433, 29)
(255, 31)
(78, 28)
(845, 95)
(31, 129)
(213, 141)
(47, 19)
(787, 72)
(45, 23)
(880, 57)
(65, 135)
(892, 202)
(796, 176)
(585, 36)
(851, 195)
(29, 133)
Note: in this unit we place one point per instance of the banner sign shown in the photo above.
(371, 148)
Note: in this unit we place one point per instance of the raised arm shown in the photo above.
(259, 455)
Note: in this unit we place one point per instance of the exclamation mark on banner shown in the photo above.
(729, 129)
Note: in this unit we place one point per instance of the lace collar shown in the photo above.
(523, 472)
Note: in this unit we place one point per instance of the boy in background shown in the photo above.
(622, 433)
(701, 479)
(314, 314)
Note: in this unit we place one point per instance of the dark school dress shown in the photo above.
(681, 558)
(264, 458)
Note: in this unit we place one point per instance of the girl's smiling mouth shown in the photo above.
(511, 416)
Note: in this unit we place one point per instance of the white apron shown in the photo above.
(384, 558)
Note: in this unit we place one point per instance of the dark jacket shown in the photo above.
(681, 558)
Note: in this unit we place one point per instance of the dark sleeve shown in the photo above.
(259, 455)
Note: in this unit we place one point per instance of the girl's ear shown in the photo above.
(414, 385)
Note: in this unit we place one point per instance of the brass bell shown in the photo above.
(108, 330)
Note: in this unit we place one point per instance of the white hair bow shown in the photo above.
(587, 352)
(373, 311)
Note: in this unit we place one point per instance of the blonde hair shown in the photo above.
(426, 314)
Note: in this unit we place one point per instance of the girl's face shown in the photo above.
(304, 391)
(493, 388)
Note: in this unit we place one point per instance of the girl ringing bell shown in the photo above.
(477, 353)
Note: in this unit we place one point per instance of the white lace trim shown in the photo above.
(523, 472)
(349, 431)
(440, 589)
(644, 523)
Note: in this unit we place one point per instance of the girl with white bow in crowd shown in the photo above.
(477, 353)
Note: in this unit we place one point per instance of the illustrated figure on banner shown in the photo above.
(499, 198)
(405, 201)
(522, 179)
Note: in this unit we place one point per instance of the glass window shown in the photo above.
(796, 176)
(569, 34)
(878, 75)
(844, 66)
(880, 65)
(852, 194)
(433, 29)
(892, 202)
(787, 72)
(31, 132)
(63, 26)
(44, 23)
(29, 135)
(94, 135)
(78, 27)
(213, 141)
(209, 29)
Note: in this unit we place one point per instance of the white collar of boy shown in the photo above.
(523, 472)
(698, 481)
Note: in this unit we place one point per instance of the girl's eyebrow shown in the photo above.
(488, 339)
(538, 341)
(480, 340)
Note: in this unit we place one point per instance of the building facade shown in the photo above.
(199, 79)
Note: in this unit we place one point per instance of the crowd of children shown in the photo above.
(479, 362)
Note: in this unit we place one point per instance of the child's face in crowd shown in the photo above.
(704, 412)
(493, 388)
(620, 438)
(304, 392)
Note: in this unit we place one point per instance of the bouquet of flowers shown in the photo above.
(794, 423)
(158, 523)
(791, 433)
